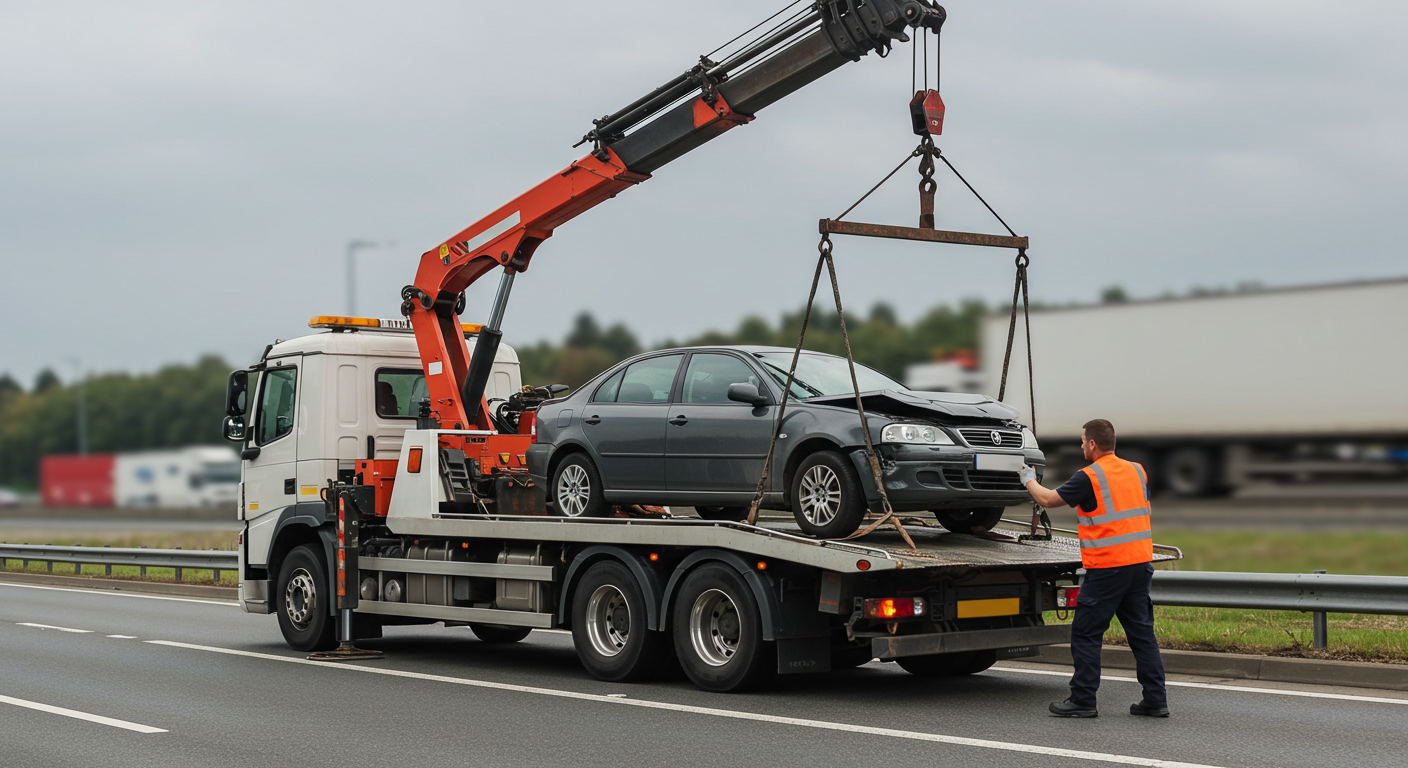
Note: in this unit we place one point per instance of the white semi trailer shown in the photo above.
(1262, 392)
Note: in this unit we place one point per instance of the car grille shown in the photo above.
(982, 438)
(970, 479)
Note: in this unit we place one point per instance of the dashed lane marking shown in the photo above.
(120, 594)
(51, 626)
(752, 717)
(53, 710)
(123, 637)
(1218, 687)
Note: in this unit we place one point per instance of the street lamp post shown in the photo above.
(82, 406)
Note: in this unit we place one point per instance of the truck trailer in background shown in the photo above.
(196, 476)
(1258, 393)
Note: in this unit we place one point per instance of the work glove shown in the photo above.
(1026, 474)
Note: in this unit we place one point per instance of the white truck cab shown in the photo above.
(311, 409)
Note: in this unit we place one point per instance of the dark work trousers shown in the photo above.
(1121, 592)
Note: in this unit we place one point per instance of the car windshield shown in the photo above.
(822, 375)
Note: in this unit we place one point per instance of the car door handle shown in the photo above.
(592, 420)
(679, 421)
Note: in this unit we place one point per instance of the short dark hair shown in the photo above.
(1100, 432)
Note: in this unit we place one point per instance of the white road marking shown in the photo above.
(123, 637)
(138, 727)
(1218, 687)
(51, 626)
(748, 716)
(120, 594)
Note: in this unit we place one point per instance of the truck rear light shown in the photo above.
(1066, 596)
(892, 607)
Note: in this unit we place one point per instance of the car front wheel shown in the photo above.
(827, 500)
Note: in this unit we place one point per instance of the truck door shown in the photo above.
(628, 431)
(714, 445)
(270, 477)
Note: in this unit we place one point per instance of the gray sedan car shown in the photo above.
(691, 427)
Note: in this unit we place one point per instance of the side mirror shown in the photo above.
(746, 393)
(237, 393)
(235, 429)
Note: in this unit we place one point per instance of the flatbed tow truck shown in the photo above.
(380, 488)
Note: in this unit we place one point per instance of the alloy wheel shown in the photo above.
(821, 495)
(574, 490)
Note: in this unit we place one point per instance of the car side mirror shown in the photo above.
(235, 429)
(746, 393)
(237, 393)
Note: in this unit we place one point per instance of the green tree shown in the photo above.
(585, 332)
(46, 380)
(1113, 294)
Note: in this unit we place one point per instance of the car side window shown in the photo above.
(276, 405)
(399, 392)
(606, 393)
(709, 375)
(649, 381)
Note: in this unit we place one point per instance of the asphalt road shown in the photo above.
(195, 683)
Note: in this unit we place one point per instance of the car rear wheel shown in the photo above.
(948, 664)
(576, 488)
(974, 521)
(827, 500)
(732, 514)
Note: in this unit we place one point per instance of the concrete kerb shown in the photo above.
(1238, 666)
(124, 585)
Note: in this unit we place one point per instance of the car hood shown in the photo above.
(904, 403)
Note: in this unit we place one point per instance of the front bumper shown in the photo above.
(919, 478)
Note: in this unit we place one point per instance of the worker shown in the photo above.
(1111, 497)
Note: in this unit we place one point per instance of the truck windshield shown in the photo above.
(822, 375)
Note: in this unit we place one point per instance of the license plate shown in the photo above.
(999, 462)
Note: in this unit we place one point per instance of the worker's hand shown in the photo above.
(1026, 474)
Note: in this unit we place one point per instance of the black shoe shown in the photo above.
(1146, 709)
(1067, 709)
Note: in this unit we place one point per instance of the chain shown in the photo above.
(927, 185)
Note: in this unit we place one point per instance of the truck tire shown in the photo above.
(609, 626)
(718, 632)
(974, 521)
(576, 488)
(948, 664)
(498, 633)
(302, 604)
(1188, 472)
(730, 514)
(827, 499)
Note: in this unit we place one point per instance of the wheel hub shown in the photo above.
(821, 495)
(301, 598)
(608, 620)
(573, 491)
(715, 627)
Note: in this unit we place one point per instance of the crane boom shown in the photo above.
(663, 125)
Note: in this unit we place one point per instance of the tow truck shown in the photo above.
(384, 477)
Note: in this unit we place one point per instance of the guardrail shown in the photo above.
(1317, 593)
(213, 560)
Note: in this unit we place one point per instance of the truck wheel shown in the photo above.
(302, 602)
(974, 521)
(731, 514)
(1188, 472)
(609, 626)
(948, 664)
(827, 500)
(576, 488)
(718, 632)
(499, 633)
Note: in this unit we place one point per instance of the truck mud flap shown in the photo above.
(1010, 643)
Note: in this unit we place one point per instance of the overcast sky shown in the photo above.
(179, 178)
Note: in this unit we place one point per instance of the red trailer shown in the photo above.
(77, 481)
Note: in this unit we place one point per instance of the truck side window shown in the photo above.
(276, 405)
(399, 392)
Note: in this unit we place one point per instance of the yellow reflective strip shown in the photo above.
(998, 606)
(309, 490)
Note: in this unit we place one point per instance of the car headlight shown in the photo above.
(915, 434)
(1028, 439)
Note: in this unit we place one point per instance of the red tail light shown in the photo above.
(893, 607)
(1066, 596)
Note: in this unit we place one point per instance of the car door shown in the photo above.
(714, 446)
(271, 452)
(625, 423)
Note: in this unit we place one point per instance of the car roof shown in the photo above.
(745, 348)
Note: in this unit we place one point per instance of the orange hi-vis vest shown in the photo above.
(1117, 532)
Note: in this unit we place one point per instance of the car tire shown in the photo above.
(974, 521)
(718, 633)
(302, 607)
(576, 488)
(948, 664)
(827, 499)
(609, 627)
(499, 633)
(730, 514)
